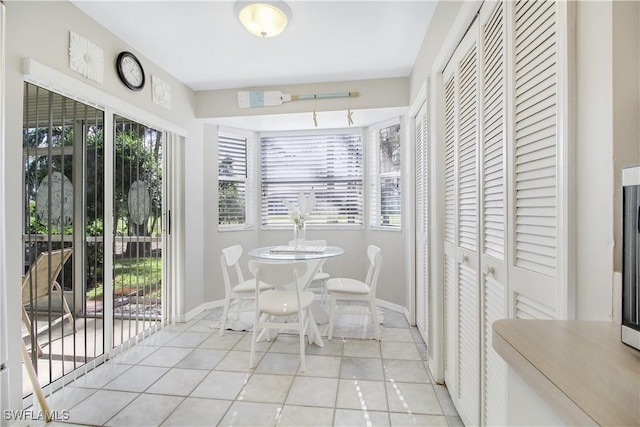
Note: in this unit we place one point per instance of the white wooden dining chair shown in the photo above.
(345, 289)
(239, 292)
(287, 300)
(319, 281)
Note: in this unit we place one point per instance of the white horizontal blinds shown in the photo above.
(449, 161)
(331, 165)
(389, 161)
(467, 152)
(535, 137)
(493, 153)
(232, 177)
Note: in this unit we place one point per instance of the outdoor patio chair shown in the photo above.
(37, 284)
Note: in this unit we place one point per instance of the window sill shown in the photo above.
(380, 228)
(225, 228)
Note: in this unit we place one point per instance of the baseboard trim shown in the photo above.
(183, 318)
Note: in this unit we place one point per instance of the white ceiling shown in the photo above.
(202, 44)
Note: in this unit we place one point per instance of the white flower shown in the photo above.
(299, 214)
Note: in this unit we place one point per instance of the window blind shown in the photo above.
(331, 165)
(390, 176)
(232, 179)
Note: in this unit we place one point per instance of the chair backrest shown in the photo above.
(374, 254)
(43, 273)
(230, 258)
(278, 274)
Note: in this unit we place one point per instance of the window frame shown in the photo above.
(375, 176)
(306, 133)
(249, 181)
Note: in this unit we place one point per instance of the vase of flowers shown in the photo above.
(299, 215)
(299, 231)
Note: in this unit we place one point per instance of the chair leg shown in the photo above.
(301, 330)
(324, 291)
(254, 338)
(65, 307)
(27, 322)
(225, 313)
(332, 315)
(374, 319)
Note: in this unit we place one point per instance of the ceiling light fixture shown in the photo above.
(263, 18)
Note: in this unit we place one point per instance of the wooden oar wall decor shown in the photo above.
(272, 98)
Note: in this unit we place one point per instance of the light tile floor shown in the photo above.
(188, 375)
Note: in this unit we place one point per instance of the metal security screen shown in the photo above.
(137, 201)
(63, 217)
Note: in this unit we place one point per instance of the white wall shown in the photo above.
(353, 263)
(594, 161)
(40, 30)
(607, 139)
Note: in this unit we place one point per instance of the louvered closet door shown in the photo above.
(450, 232)
(535, 162)
(493, 205)
(461, 223)
(422, 219)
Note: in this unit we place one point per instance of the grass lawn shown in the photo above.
(133, 275)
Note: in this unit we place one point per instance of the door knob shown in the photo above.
(487, 269)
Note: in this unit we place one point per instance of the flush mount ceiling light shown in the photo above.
(263, 18)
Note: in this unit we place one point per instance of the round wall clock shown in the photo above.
(130, 70)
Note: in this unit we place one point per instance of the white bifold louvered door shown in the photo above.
(503, 174)
(461, 227)
(493, 205)
(535, 285)
(422, 159)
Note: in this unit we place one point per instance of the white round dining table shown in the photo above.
(315, 257)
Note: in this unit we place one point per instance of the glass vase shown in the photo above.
(299, 233)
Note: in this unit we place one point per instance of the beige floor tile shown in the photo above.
(196, 412)
(251, 414)
(406, 420)
(358, 418)
(146, 410)
(362, 395)
(400, 350)
(221, 385)
(405, 371)
(362, 368)
(266, 388)
(137, 379)
(178, 382)
(303, 416)
(313, 392)
(412, 398)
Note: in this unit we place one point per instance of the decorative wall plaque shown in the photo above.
(85, 58)
(161, 92)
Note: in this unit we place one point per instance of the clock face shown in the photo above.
(130, 70)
